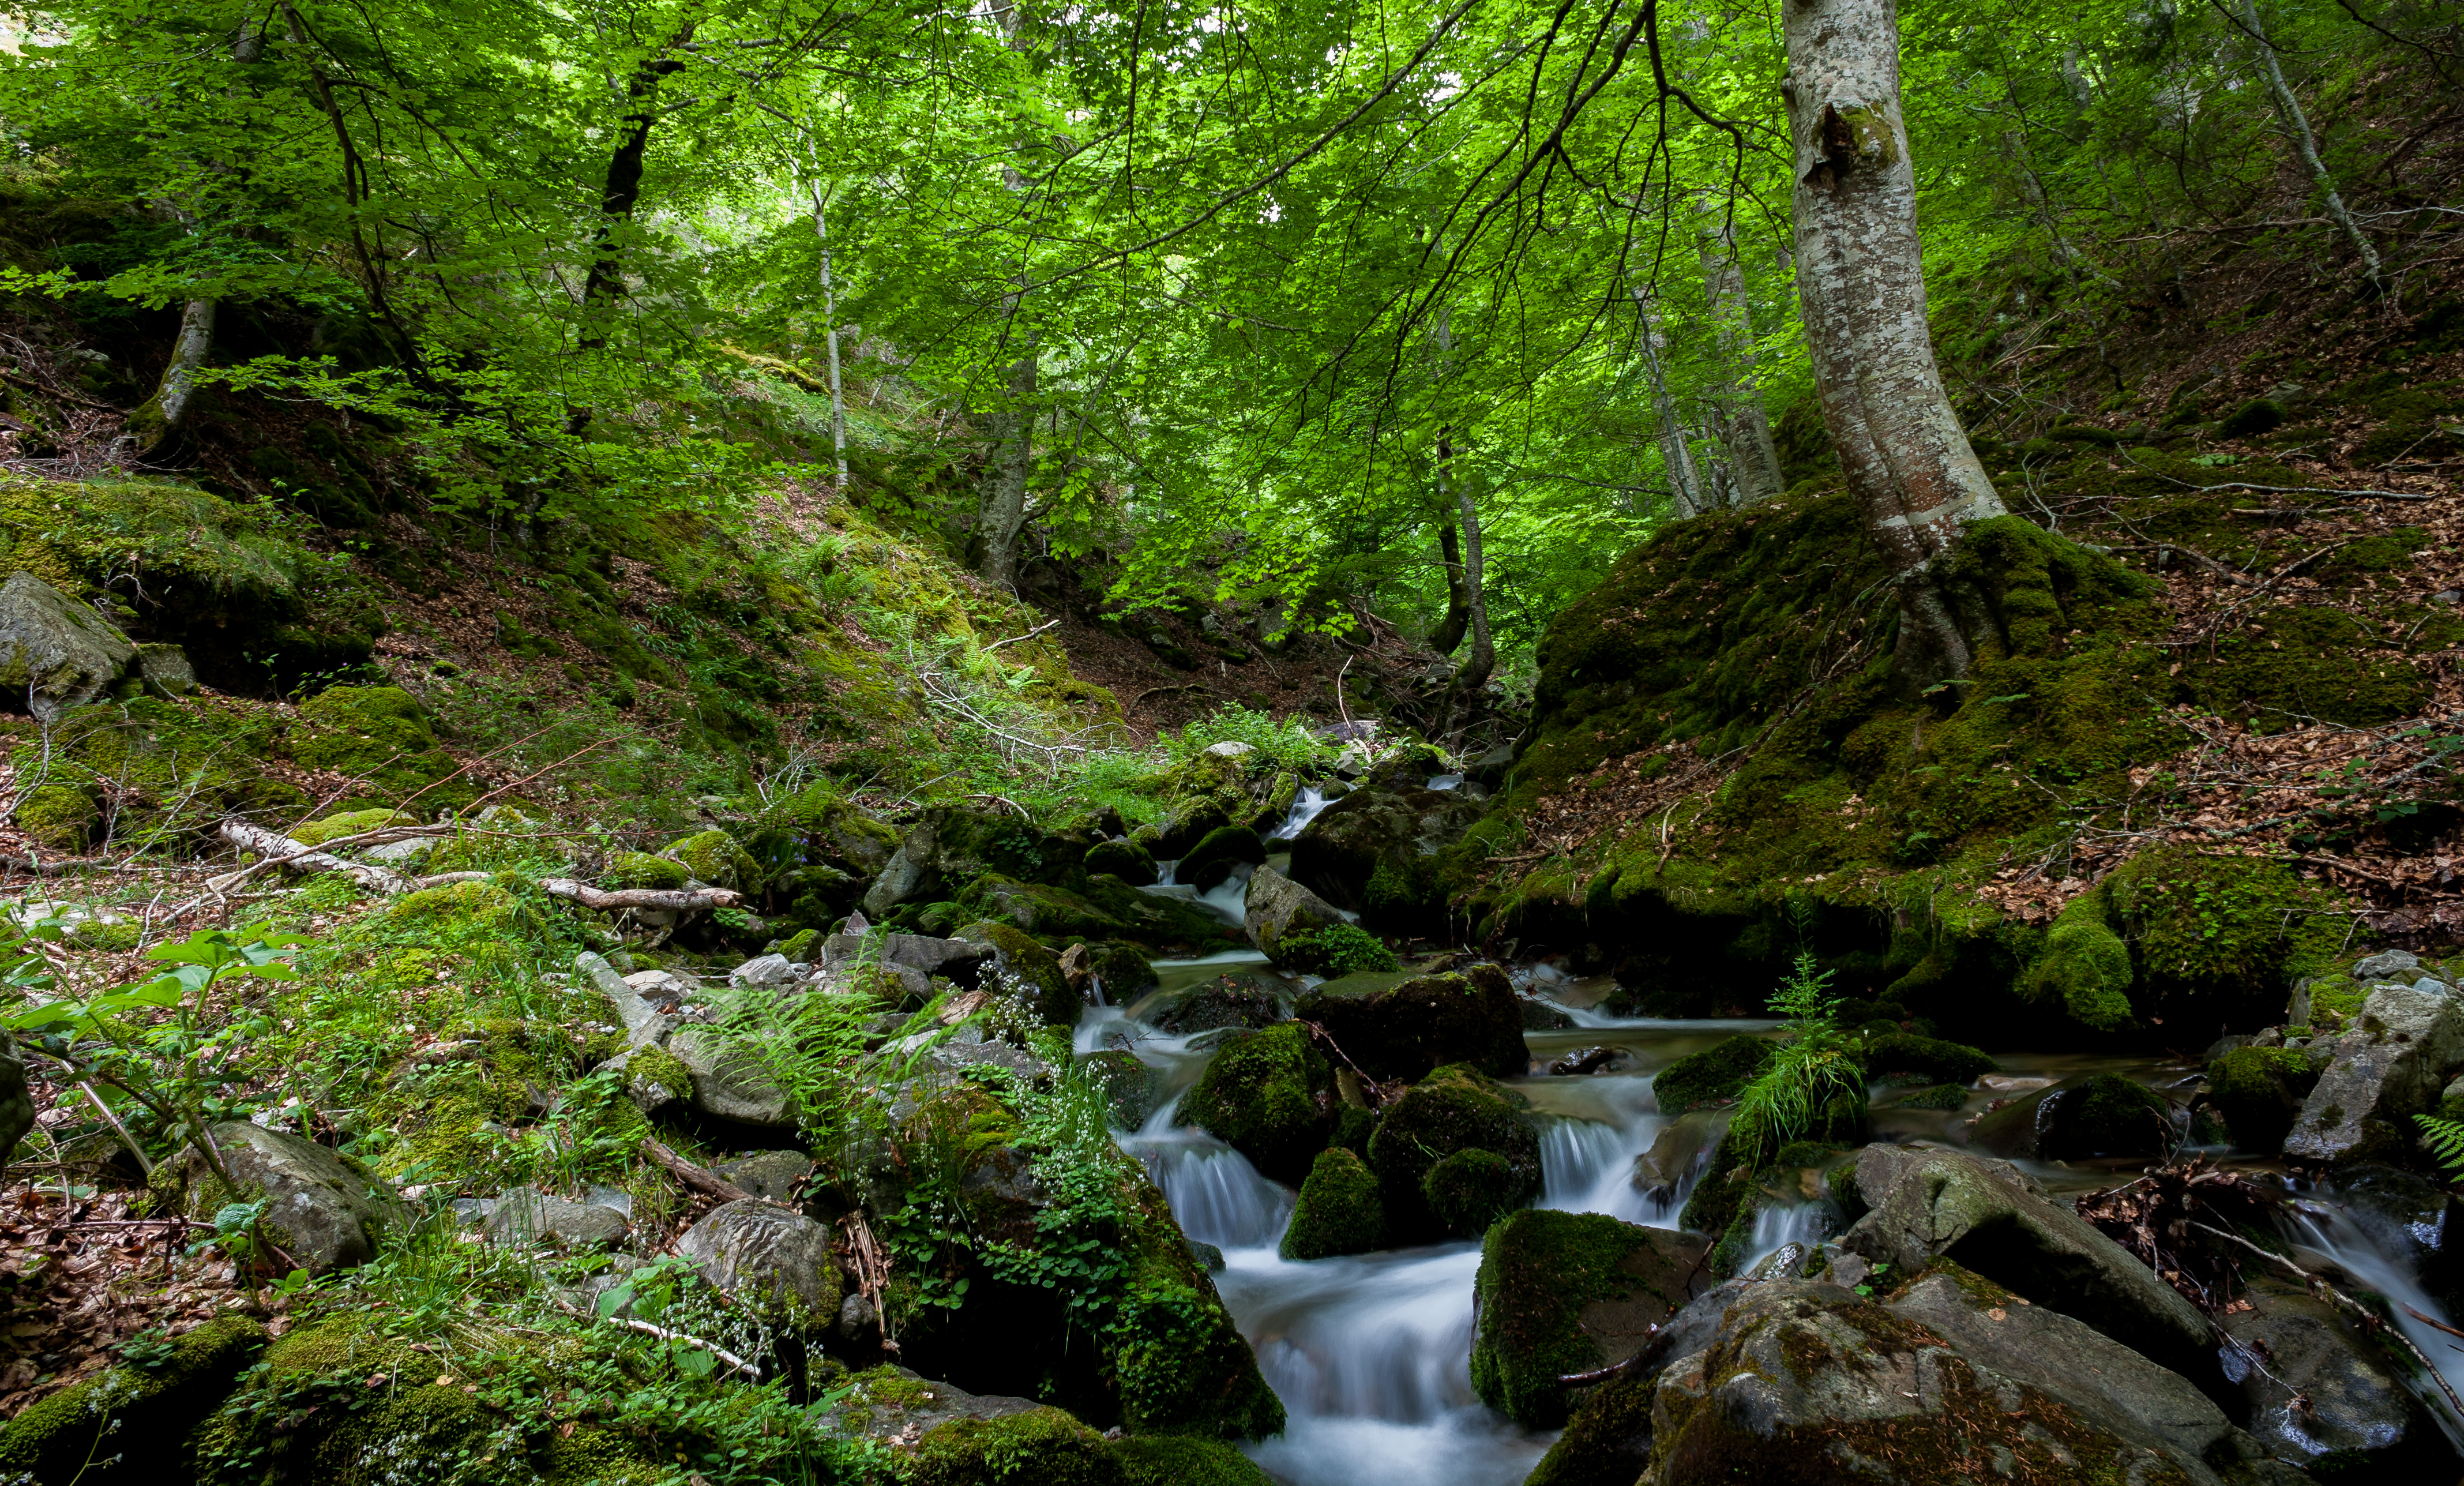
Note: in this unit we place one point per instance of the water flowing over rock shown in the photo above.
(2315, 1386)
(1374, 849)
(2388, 1068)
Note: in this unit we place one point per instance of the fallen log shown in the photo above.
(701, 1179)
(660, 900)
(281, 850)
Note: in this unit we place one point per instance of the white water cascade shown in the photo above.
(2374, 1261)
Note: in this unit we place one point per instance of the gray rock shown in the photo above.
(59, 653)
(167, 670)
(1229, 748)
(643, 1023)
(1682, 1146)
(916, 1406)
(1343, 847)
(16, 1102)
(2386, 965)
(2387, 1066)
(772, 1259)
(910, 873)
(326, 1211)
(729, 1082)
(1279, 906)
(771, 1175)
(1241, 999)
(401, 855)
(968, 1048)
(958, 959)
(1491, 767)
(1931, 1204)
(856, 1317)
(526, 1215)
(2430, 985)
(766, 972)
(2315, 1386)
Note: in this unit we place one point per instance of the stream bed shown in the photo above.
(1371, 1353)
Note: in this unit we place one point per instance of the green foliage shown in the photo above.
(2445, 1139)
(1813, 1084)
(1334, 951)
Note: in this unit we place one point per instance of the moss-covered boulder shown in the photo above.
(1125, 860)
(350, 823)
(132, 1423)
(2258, 1093)
(1906, 1057)
(2085, 968)
(1239, 999)
(713, 858)
(2084, 1116)
(64, 817)
(1455, 1108)
(378, 738)
(1404, 1030)
(1469, 1189)
(1711, 1076)
(1565, 1293)
(1268, 1094)
(1339, 1210)
(1129, 1085)
(1183, 1461)
(1028, 968)
(1212, 859)
(2225, 936)
(642, 870)
(1043, 1447)
(1048, 914)
(1334, 950)
(1375, 852)
(324, 1209)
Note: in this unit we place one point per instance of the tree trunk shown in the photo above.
(1745, 427)
(1474, 671)
(159, 418)
(2297, 124)
(830, 314)
(1002, 512)
(1448, 636)
(621, 189)
(1860, 282)
(1684, 483)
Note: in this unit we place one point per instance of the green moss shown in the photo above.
(2230, 933)
(1123, 859)
(1339, 1212)
(641, 870)
(379, 737)
(1397, 1026)
(1042, 1447)
(142, 1415)
(1711, 1076)
(1942, 1096)
(2085, 966)
(1035, 969)
(351, 823)
(1468, 1189)
(1179, 1460)
(715, 858)
(2259, 1091)
(474, 908)
(1607, 1442)
(1455, 1108)
(1336, 950)
(63, 818)
(1927, 1060)
(1538, 1271)
(1261, 1095)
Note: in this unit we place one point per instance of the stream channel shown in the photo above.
(1371, 1353)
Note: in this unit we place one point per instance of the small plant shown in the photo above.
(1336, 950)
(1812, 1081)
(2445, 1139)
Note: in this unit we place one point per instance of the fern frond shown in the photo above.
(2445, 1139)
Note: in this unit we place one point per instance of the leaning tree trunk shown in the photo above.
(159, 418)
(1860, 282)
(1448, 636)
(1000, 511)
(1685, 484)
(1745, 427)
(2296, 124)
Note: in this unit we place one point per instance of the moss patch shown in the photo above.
(1268, 1094)
(1711, 1076)
(1339, 1212)
(140, 1415)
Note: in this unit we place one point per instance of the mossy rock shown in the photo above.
(1035, 970)
(2259, 1092)
(1906, 1055)
(642, 870)
(1607, 1441)
(1269, 1095)
(2085, 968)
(1339, 1210)
(1182, 1460)
(2229, 934)
(474, 908)
(1455, 1108)
(63, 818)
(1405, 1029)
(1048, 914)
(1123, 859)
(2080, 1118)
(1212, 859)
(715, 858)
(1565, 1293)
(1469, 1189)
(1129, 1085)
(1042, 1447)
(376, 736)
(350, 823)
(1940, 1096)
(1334, 951)
(1714, 1076)
(141, 1417)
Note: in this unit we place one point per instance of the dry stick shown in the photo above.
(2367, 1315)
(701, 1179)
(661, 899)
(281, 850)
(665, 1334)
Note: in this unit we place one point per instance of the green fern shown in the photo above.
(2445, 1139)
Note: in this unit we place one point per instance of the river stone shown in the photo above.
(1682, 1146)
(326, 1210)
(1934, 1204)
(1241, 999)
(2386, 965)
(1456, 1108)
(765, 972)
(1403, 1031)
(729, 1082)
(1269, 1095)
(643, 1023)
(166, 669)
(1400, 828)
(525, 1216)
(1809, 1385)
(772, 1259)
(1564, 1293)
(60, 652)
(958, 959)
(771, 1175)
(2086, 1116)
(2293, 1345)
(2104, 1383)
(912, 875)
(1278, 906)
(2387, 1068)
(892, 1403)
(1338, 1210)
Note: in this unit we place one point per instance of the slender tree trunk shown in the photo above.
(1474, 671)
(159, 418)
(830, 314)
(1448, 636)
(2297, 124)
(1684, 482)
(1745, 427)
(621, 189)
(1002, 511)
(1860, 280)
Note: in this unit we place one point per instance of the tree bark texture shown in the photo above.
(2305, 146)
(1684, 481)
(1745, 427)
(1474, 671)
(831, 316)
(159, 418)
(1001, 509)
(1448, 636)
(1861, 283)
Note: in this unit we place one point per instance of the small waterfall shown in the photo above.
(1446, 781)
(1228, 900)
(1215, 1194)
(2374, 1262)
(1307, 806)
(1775, 1228)
(1586, 1164)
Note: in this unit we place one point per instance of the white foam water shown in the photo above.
(2372, 1258)
(1306, 806)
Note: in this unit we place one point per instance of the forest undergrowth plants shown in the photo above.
(1813, 1084)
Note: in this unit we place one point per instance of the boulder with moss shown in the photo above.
(1375, 850)
(1904, 1057)
(1712, 1076)
(2259, 1091)
(1469, 1016)
(715, 858)
(63, 818)
(2388, 1066)
(2082, 1117)
(1125, 860)
(642, 870)
(1028, 968)
(1182, 1460)
(1278, 908)
(1334, 951)
(324, 1209)
(2084, 969)
(1239, 999)
(1339, 1210)
(1217, 853)
(772, 1260)
(1038, 1446)
(350, 823)
(1455, 1108)
(1563, 1293)
(55, 651)
(379, 737)
(132, 1423)
(1268, 1094)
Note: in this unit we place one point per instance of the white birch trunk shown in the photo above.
(1684, 482)
(1745, 427)
(831, 316)
(1001, 514)
(1860, 280)
(2297, 124)
(159, 418)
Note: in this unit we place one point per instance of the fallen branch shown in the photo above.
(665, 1334)
(659, 899)
(701, 1179)
(281, 850)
